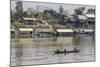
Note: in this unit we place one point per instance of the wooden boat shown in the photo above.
(64, 52)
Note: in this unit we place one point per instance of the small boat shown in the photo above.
(86, 31)
(64, 52)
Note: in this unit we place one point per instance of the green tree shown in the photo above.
(47, 14)
(91, 11)
(12, 16)
(25, 14)
(39, 16)
(30, 12)
(61, 14)
(18, 25)
(19, 11)
(79, 11)
(61, 10)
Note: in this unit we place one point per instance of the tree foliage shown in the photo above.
(50, 14)
(39, 16)
(61, 10)
(62, 14)
(19, 11)
(91, 11)
(30, 12)
(79, 11)
(18, 25)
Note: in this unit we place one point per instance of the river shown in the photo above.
(34, 51)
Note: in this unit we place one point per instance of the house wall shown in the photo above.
(26, 33)
(43, 34)
(13, 34)
(29, 22)
(91, 21)
(65, 33)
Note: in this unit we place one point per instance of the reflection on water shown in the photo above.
(32, 51)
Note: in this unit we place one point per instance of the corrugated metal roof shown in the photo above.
(87, 30)
(64, 30)
(82, 17)
(25, 29)
(71, 18)
(43, 30)
(90, 15)
(26, 18)
(12, 29)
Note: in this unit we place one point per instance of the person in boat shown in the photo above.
(75, 49)
(64, 50)
(82, 30)
(57, 50)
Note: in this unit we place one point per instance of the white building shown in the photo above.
(90, 18)
(81, 18)
(29, 21)
(64, 32)
(26, 32)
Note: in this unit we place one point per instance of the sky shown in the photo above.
(40, 6)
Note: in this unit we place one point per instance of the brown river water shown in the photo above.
(35, 51)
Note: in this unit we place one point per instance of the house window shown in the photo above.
(89, 22)
(23, 32)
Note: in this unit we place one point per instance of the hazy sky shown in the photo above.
(40, 6)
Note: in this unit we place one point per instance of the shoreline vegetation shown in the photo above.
(47, 22)
(40, 35)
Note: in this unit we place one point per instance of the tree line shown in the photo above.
(47, 14)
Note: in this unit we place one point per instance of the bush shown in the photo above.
(18, 25)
